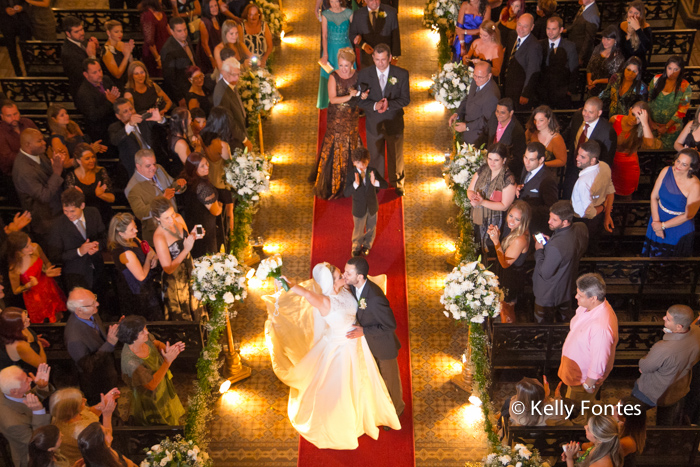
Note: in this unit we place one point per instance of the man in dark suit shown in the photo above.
(74, 51)
(77, 240)
(226, 95)
(587, 125)
(503, 128)
(95, 100)
(38, 182)
(477, 108)
(388, 94)
(374, 25)
(559, 67)
(132, 132)
(537, 187)
(176, 57)
(90, 347)
(523, 66)
(583, 30)
(377, 323)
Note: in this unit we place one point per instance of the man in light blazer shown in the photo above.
(374, 25)
(388, 94)
(226, 95)
(583, 30)
(523, 66)
(474, 112)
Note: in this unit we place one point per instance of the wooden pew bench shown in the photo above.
(94, 20)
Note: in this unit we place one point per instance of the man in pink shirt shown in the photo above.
(589, 349)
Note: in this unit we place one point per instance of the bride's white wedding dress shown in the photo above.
(336, 392)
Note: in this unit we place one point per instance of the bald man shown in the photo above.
(38, 182)
(523, 65)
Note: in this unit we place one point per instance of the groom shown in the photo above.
(377, 324)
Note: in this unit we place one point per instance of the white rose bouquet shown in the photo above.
(441, 14)
(258, 91)
(247, 174)
(176, 453)
(451, 85)
(519, 456)
(272, 15)
(272, 267)
(460, 170)
(472, 292)
(218, 278)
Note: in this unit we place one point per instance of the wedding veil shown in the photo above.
(324, 277)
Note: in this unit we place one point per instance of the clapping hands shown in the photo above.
(170, 352)
(42, 375)
(381, 106)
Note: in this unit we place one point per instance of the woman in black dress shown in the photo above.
(66, 135)
(636, 32)
(209, 35)
(606, 60)
(197, 96)
(179, 146)
(116, 54)
(143, 92)
(202, 205)
(690, 136)
(93, 181)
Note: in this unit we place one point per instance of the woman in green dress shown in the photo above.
(669, 99)
(145, 368)
(335, 23)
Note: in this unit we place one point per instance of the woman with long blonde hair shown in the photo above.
(231, 39)
(604, 433)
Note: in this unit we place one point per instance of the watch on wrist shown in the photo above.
(587, 387)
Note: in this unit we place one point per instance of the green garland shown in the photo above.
(444, 48)
(242, 228)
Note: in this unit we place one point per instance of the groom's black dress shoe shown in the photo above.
(386, 428)
(364, 251)
(356, 253)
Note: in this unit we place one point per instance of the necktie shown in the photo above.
(362, 176)
(583, 138)
(81, 228)
(373, 18)
(156, 183)
(517, 46)
(527, 177)
(189, 53)
(139, 138)
(382, 81)
(552, 51)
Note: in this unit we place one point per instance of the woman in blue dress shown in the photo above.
(335, 23)
(674, 203)
(471, 14)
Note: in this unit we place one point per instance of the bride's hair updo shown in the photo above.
(347, 54)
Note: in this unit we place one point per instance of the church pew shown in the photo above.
(94, 20)
(133, 441)
(667, 42)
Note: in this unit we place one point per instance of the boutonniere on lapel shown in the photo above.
(363, 304)
(393, 80)
(381, 14)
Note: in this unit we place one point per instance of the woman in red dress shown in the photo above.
(154, 25)
(31, 274)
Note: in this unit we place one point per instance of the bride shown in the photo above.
(336, 392)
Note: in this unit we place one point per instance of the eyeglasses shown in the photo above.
(93, 304)
(480, 77)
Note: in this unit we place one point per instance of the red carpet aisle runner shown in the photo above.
(331, 241)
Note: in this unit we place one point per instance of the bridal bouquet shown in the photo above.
(472, 292)
(272, 267)
(247, 174)
(441, 14)
(218, 278)
(258, 92)
(505, 456)
(272, 15)
(460, 170)
(451, 85)
(176, 453)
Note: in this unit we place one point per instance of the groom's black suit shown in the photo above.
(378, 325)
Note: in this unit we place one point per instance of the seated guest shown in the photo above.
(487, 48)
(559, 74)
(66, 135)
(538, 187)
(44, 448)
(116, 54)
(90, 347)
(690, 136)
(545, 10)
(543, 127)
(583, 30)
(77, 241)
(95, 100)
(132, 133)
(230, 40)
(636, 32)
(93, 181)
(606, 60)
(625, 88)
(202, 205)
(197, 97)
(95, 447)
(669, 98)
(31, 274)
(209, 35)
(674, 203)
(177, 56)
(256, 33)
(11, 126)
(179, 145)
(477, 108)
(135, 268)
(71, 415)
(74, 51)
(21, 410)
(143, 93)
(154, 25)
(633, 429)
(503, 128)
(602, 431)
(20, 345)
(531, 392)
(145, 368)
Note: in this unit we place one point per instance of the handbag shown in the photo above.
(507, 312)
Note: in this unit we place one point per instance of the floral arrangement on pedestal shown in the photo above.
(451, 85)
(520, 456)
(272, 15)
(472, 292)
(460, 170)
(441, 16)
(259, 95)
(176, 453)
(218, 281)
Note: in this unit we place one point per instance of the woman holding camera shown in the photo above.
(202, 205)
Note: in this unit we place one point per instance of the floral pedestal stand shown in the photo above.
(234, 370)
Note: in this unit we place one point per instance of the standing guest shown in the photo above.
(342, 137)
(42, 18)
(186, 9)
(199, 122)
(545, 10)
(38, 181)
(145, 367)
(227, 96)
(66, 135)
(95, 100)
(633, 133)
(636, 33)
(472, 13)
(19, 222)
(543, 127)
(690, 136)
(538, 187)
(20, 345)
(95, 447)
(491, 192)
(256, 33)
(93, 181)
(508, 22)
(77, 241)
(370, 27)
(669, 98)
(474, 112)
(625, 88)
(44, 448)
(523, 67)
(666, 370)
(388, 95)
(74, 51)
(179, 145)
(230, 39)
(487, 48)
(602, 431)
(556, 264)
(197, 97)
(154, 26)
(90, 347)
(135, 263)
(505, 129)
(209, 35)
(132, 133)
(14, 23)
(21, 410)
(11, 126)
(588, 353)
(116, 55)
(143, 92)
(559, 74)
(674, 204)
(583, 30)
(177, 56)
(217, 142)
(335, 23)
(606, 60)
(202, 205)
